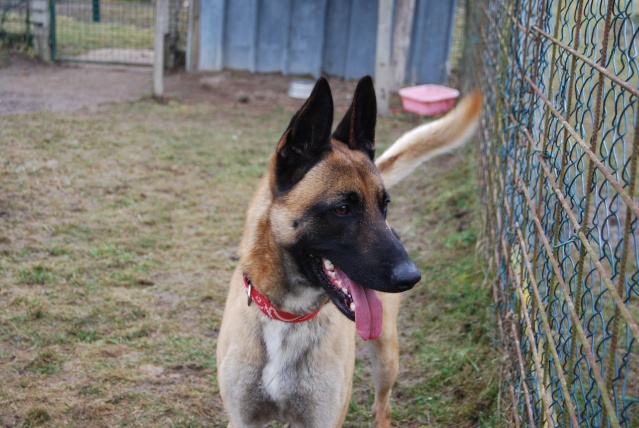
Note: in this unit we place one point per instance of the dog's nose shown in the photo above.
(405, 275)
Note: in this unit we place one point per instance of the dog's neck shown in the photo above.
(272, 269)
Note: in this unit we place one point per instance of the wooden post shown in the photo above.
(401, 41)
(161, 12)
(383, 57)
(193, 45)
(41, 20)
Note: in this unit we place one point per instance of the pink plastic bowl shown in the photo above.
(428, 100)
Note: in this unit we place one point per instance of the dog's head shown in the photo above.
(329, 207)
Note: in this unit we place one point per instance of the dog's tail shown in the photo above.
(429, 140)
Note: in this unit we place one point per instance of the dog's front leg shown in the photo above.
(385, 357)
(244, 403)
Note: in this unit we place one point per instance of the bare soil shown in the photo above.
(28, 84)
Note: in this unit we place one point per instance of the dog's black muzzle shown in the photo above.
(404, 276)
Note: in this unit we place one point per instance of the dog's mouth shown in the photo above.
(358, 303)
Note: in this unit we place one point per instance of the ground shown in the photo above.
(27, 84)
(119, 220)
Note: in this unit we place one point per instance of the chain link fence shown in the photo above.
(558, 177)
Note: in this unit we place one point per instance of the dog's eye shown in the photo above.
(385, 206)
(342, 210)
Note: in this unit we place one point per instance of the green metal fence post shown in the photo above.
(27, 23)
(52, 30)
(96, 10)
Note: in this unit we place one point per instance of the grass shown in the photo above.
(75, 37)
(120, 26)
(118, 231)
(124, 26)
(447, 324)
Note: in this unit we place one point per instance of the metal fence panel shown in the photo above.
(15, 22)
(116, 31)
(558, 177)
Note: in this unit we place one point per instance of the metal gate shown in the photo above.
(115, 31)
(15, 23)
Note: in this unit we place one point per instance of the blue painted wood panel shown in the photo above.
(336, 37)
(211, 34)
(338, 18)
(431, 41)
(240, 34)
(306, 40)
(362, 39)
(272, 35)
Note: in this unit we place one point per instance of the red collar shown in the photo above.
(270, 310)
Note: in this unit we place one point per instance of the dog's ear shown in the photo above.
(306, 139)
(357, 128)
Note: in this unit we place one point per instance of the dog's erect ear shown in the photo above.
(306, 139)
(357, 128)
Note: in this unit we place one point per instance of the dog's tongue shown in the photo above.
(368, 308)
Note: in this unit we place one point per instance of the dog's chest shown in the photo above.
(290, 350)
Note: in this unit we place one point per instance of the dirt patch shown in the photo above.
(258, 92)
(28, 85)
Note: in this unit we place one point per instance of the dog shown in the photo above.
(318, 262)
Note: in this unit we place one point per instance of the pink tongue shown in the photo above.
(368, 308)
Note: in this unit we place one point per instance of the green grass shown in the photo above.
(122, 25)
(446, 321)
(117, 240)
(14, 23)
(76, 37)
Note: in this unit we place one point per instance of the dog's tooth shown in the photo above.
(344, 290)
(352, 306)
(328, 265)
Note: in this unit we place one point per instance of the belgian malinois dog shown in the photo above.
(316, 255)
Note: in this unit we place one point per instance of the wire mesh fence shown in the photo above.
(15, 23)
(558, 178)
(116, 31)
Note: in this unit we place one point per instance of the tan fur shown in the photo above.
(385, 360)
(252, 347)
(429, 140)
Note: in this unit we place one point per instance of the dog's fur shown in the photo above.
(323, 197)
